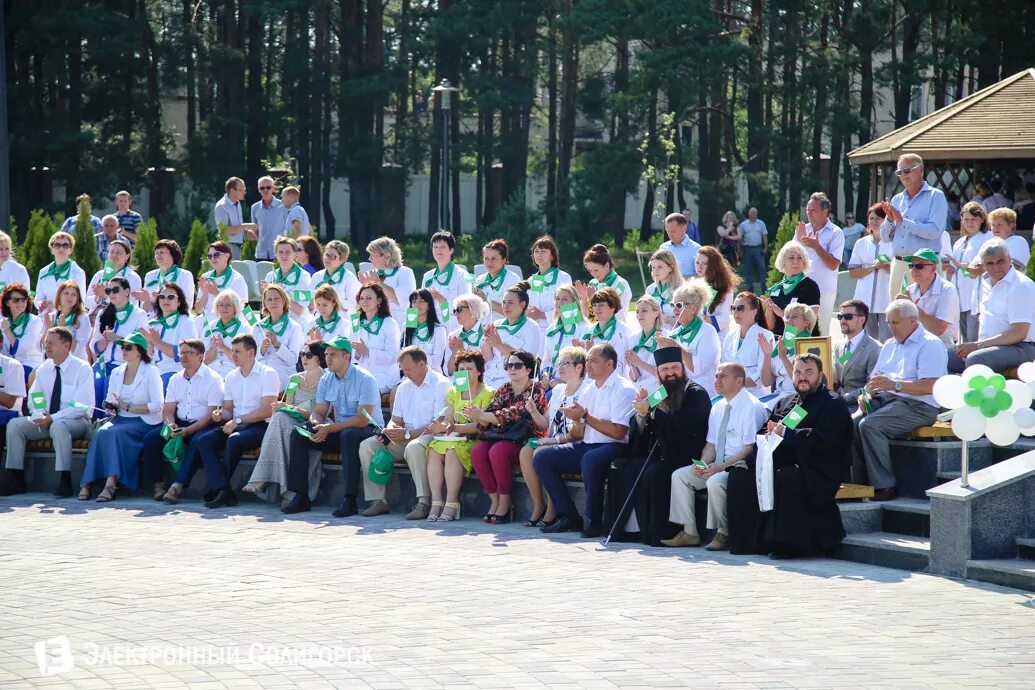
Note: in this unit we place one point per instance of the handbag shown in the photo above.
(518, 431)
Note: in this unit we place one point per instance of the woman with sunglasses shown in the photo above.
(309, 254)
(328, 322)
(871, 274)
(337, 275)
(280, 338)
(641, 344)
(496, 279)
(723, 280)
(515, 331)
(223, 276)
(427, 333)
(118, 320)
(10, 270)
(376, 338)
(22, 330)
(218, 333)
(794, 263)
(749, 342)
(449, 454)
(165, 333)
(698, 339)
(271, 468)
(776, 369)
(396, 280)
(598, 263)
(664, 269)
(609, 328)
(974, 233)
(70, 312)
(468, 310)
(135, 398)
(168, 256)
(545, 282)
(119, 254)
(510, 409)
(61, 269)
(561, 335)
(293, 281)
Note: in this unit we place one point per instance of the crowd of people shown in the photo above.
(660, 395)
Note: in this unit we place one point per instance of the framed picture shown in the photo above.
(822, 348)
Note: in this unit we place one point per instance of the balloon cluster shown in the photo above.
(987, 404)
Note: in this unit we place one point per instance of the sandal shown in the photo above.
(173, 494)
(108, 494)
(84, 492)
(432, 515)
(500, 519)
(159, 491)
(535, 521)
(454, 515)
(254, 487)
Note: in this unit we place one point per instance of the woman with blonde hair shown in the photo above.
(974, 233)
(58, 271)
(337, 275)
(292, 279)
(561, 335)
(10, 270)
(698, 339)
(793, 262)
(640, 347)
(119, 254)
(664, 269)
(328, 322)
(776, 369)
(729, 236)
(396, 280)
(218, 333)
(280, 338)
(468, 310)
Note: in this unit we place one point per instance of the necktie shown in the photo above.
(720, 443)
(55, 394)
(848, 348)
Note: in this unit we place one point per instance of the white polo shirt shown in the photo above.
(942, 302)
(747, 415)
(247, 392)
(194, 396)
(418, 405)
(832, 239)
(611, 402)
(1010, 301)
(12, 381)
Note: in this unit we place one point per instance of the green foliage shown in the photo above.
(197, 247)
(519, 226)
(85, 252)
(658, 155)
(144, 249)
(1029, 270)
(34, 252)
(784, 234)
(248, 250)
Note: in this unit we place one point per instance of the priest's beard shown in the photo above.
(805, 390)
(676, 389)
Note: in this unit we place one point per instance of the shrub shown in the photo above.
(85, 252)
(144, 249)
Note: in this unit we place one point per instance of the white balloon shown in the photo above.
(976, 370)
(1026, 372)
(968, 424)
(1020, 393)
(1002, 430)
(1025, 420)
(948, 391)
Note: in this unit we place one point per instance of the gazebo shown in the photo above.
(989, 134)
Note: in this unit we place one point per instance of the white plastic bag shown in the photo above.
(766, 445)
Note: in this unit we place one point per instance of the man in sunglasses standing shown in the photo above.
(915, 219)
(856, 355)
(269, 214)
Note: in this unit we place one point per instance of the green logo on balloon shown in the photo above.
(988, 394)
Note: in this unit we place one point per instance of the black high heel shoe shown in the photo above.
(535, 521)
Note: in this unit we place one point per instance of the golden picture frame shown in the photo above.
(823, 348)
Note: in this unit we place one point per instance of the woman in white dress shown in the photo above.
(22, 330)
(873, 275)
(427, 333)
(609, 327)
(743, 345)
(223, 276)
(446, 280)
(974, 233)
(543, 284)
(515, 331)
(776, 370)
(168, 256)
(295, 283)
(397, 281)
(279, 336)
(664, 269)
(70, 312)
(496, 280)
(230, 322)
(164, 333)
(328, 322)
(698, 339)
(561, 335)
(119, 320)
(61, 269)
(10, 270)
(119, 255)
(468, 310)
(376, 337)
(598, 263)
(721, 278)
(337, 275)
(642, 342)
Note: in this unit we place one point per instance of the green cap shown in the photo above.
(340, 343)
(924, 254)
(135, 338)
(380, 469)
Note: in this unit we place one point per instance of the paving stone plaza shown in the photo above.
(139, 595)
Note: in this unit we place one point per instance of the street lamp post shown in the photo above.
(444, 91)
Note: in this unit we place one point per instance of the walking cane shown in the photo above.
(632, 492)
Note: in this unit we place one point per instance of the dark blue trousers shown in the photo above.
(591, 459)
(345, 442)
(154, 463)
(211, 441)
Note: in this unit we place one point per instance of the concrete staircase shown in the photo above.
(1016, 572)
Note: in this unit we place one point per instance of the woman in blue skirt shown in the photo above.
(118, 320)
(135, 398)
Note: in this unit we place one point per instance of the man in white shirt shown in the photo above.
(61, 403)
(732, 425)
(419, 400)
(754, 245)
(248, 396)
(934, 297)
(1006, 332)
(601, 430)
(825, 244)
(268, 214)
(228, 211)
(194, 393)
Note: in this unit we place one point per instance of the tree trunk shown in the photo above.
(569, 107)
(551, 121)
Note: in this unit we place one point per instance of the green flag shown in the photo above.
(369, 418)
(569, 314)
(883, 259)
(39, 401)
(532, 442)
(794, 417)
(249, 315)
(844, 357)
(355, 322)
(75, 404)
(443, 310)
(301, 296)
(109, 271)
(302, 431)
(166, 431)
(905, 283)
(411, 317)
(657, 396)
(462, 381)
(965, 273)
(700, 463)
(292, 386)
(538, 283)
(789, 334)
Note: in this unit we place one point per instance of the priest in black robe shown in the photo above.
(808, 466)
(679, 427)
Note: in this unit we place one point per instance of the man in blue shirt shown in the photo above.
(129, 220)
(684, 248)
(691, 227)
(350, 391)
(69, 224)
(269, 215)
(754, 245)
(229, 212)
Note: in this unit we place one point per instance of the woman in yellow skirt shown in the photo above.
(449, 454)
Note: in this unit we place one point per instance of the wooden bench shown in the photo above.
(937, 430)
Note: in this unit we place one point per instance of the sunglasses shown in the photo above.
(678, 305)
(738, 307)
(127, 347)
(307, 354)
(905, 171)
(459, 309)
(167, 297)
(514, 365)
(60, 245)
(112, 291)
(917, 267)
(846, 317)
(265, 189)
(17, 300)
(214, 255)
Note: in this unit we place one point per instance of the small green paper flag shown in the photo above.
(905, 283)
(657, 396)
(845, 356)
(789, 334)
(532, 442)
(109, 271)
(304, 432)
(411, 317)
(538, 283)
(443, 310)
(292, 386)
(883, 258)
(367, 415)
(620, 287)
(303, 296)
(569, 314)
(79, 406)
(700, 463)
(794, 417)
(462, 381)
(249, 315)
(166, 432)
(965, 273)
(39, 401)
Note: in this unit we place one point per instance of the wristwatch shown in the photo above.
(407, 435)
(237, 421)
(898, 386)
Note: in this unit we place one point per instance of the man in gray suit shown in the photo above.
(855, 355)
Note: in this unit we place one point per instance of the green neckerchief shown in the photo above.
(475, 341)
(688, 332)
(168, 277)
(551, 276)
(335, 278)
(422, 332)
(328, 326)
(647, 341)
(122, 315)
(511, 328)
(19, 325)
(493, 283)
(227, 275)
(373, 327)
(164, 321)
(559, 327)
(280, 279)
(436, 277)
(664, 296)
(608, 281)
(382, 274)
(124, 271)
(607, 332)
(59, 272)
(786, 286)
(282, 324)
(227, 330)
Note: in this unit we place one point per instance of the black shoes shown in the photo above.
(348, 508)
(563, 523)
(64, 487)
(13, 482)
(593, 530)
(298, 504)
(224, 497)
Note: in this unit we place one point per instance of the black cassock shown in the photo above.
(681, 437)
(808, 466)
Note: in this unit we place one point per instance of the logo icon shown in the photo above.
(54, 656)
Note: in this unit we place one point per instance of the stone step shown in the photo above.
(886, 549)
(860, 517)
(911, 516)
(1026, 548)
(1008, 572)
(919, 465)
